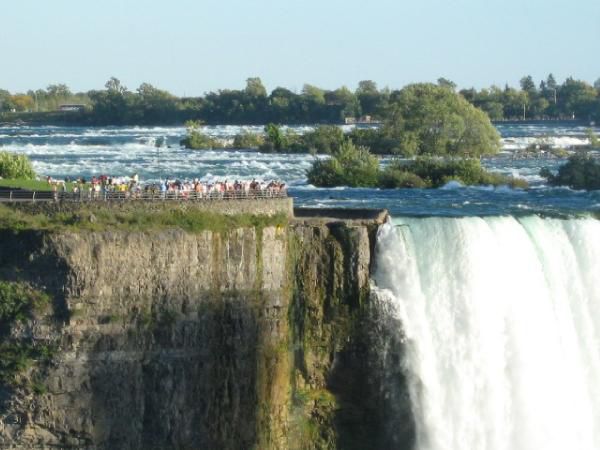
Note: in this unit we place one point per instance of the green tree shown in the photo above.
(430, 119)
(350, 166)
(313, 94)
(577, 99)
(515, 103)
(196, 139)
(59, 90)
(580, 172)
(115, 105)
(255, 87)
(528, 85)
(326, 139)
(342, 103)
(371, 100)
(113, 85)
(444, 82)
(155, 105)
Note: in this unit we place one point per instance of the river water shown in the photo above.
(87, 151)
(501, 329)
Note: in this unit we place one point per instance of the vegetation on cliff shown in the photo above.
(19, 302)
(581, 171)
(131, 217)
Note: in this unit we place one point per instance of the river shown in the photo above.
(86, 151)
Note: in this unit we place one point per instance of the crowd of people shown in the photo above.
(105, 186)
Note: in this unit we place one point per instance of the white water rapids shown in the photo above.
(501, 318)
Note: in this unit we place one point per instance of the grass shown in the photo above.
(32, 185)
(101, 219)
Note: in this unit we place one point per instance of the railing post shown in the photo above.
(10, 196)
(33, 197)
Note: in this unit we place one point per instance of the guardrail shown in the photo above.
(91, 196)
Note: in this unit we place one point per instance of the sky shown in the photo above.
(190, 47)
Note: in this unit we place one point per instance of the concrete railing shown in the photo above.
(91, 196)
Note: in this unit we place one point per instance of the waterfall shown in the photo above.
(501, 327)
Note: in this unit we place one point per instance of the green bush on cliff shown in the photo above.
(13, 165)
(18, 356)
(18, 301)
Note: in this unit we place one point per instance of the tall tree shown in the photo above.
(444, 82)
(430, 119)
(113, 85)
(255, 87)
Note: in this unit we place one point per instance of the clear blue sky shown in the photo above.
(194, 46)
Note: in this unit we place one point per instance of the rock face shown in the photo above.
(253, 338)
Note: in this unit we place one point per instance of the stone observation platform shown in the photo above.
(21, 195)
(229, 203)
(354, 217)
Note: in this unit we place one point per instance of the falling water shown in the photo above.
(501, 324)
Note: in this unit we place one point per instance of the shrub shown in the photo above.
(350, 166)
(435, 172)
(594, 141)
(248, 140)
(393, 177)
(17, 302)
(580, 172)
(197, 140)
(326, 139)
(379, 142)
(277, 140)
(13, 165)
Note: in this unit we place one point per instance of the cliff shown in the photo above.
(242, 337)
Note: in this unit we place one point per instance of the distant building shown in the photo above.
(362, 119)
(71, 107)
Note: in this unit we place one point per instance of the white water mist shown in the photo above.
(501, 318)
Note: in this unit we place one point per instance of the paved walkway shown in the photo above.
(16, 196)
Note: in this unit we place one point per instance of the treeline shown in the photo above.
(573, 99)
(420, 119)
(148, 105)
(42, 100)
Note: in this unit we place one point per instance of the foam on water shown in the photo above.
(88, 151)
(501, 323)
